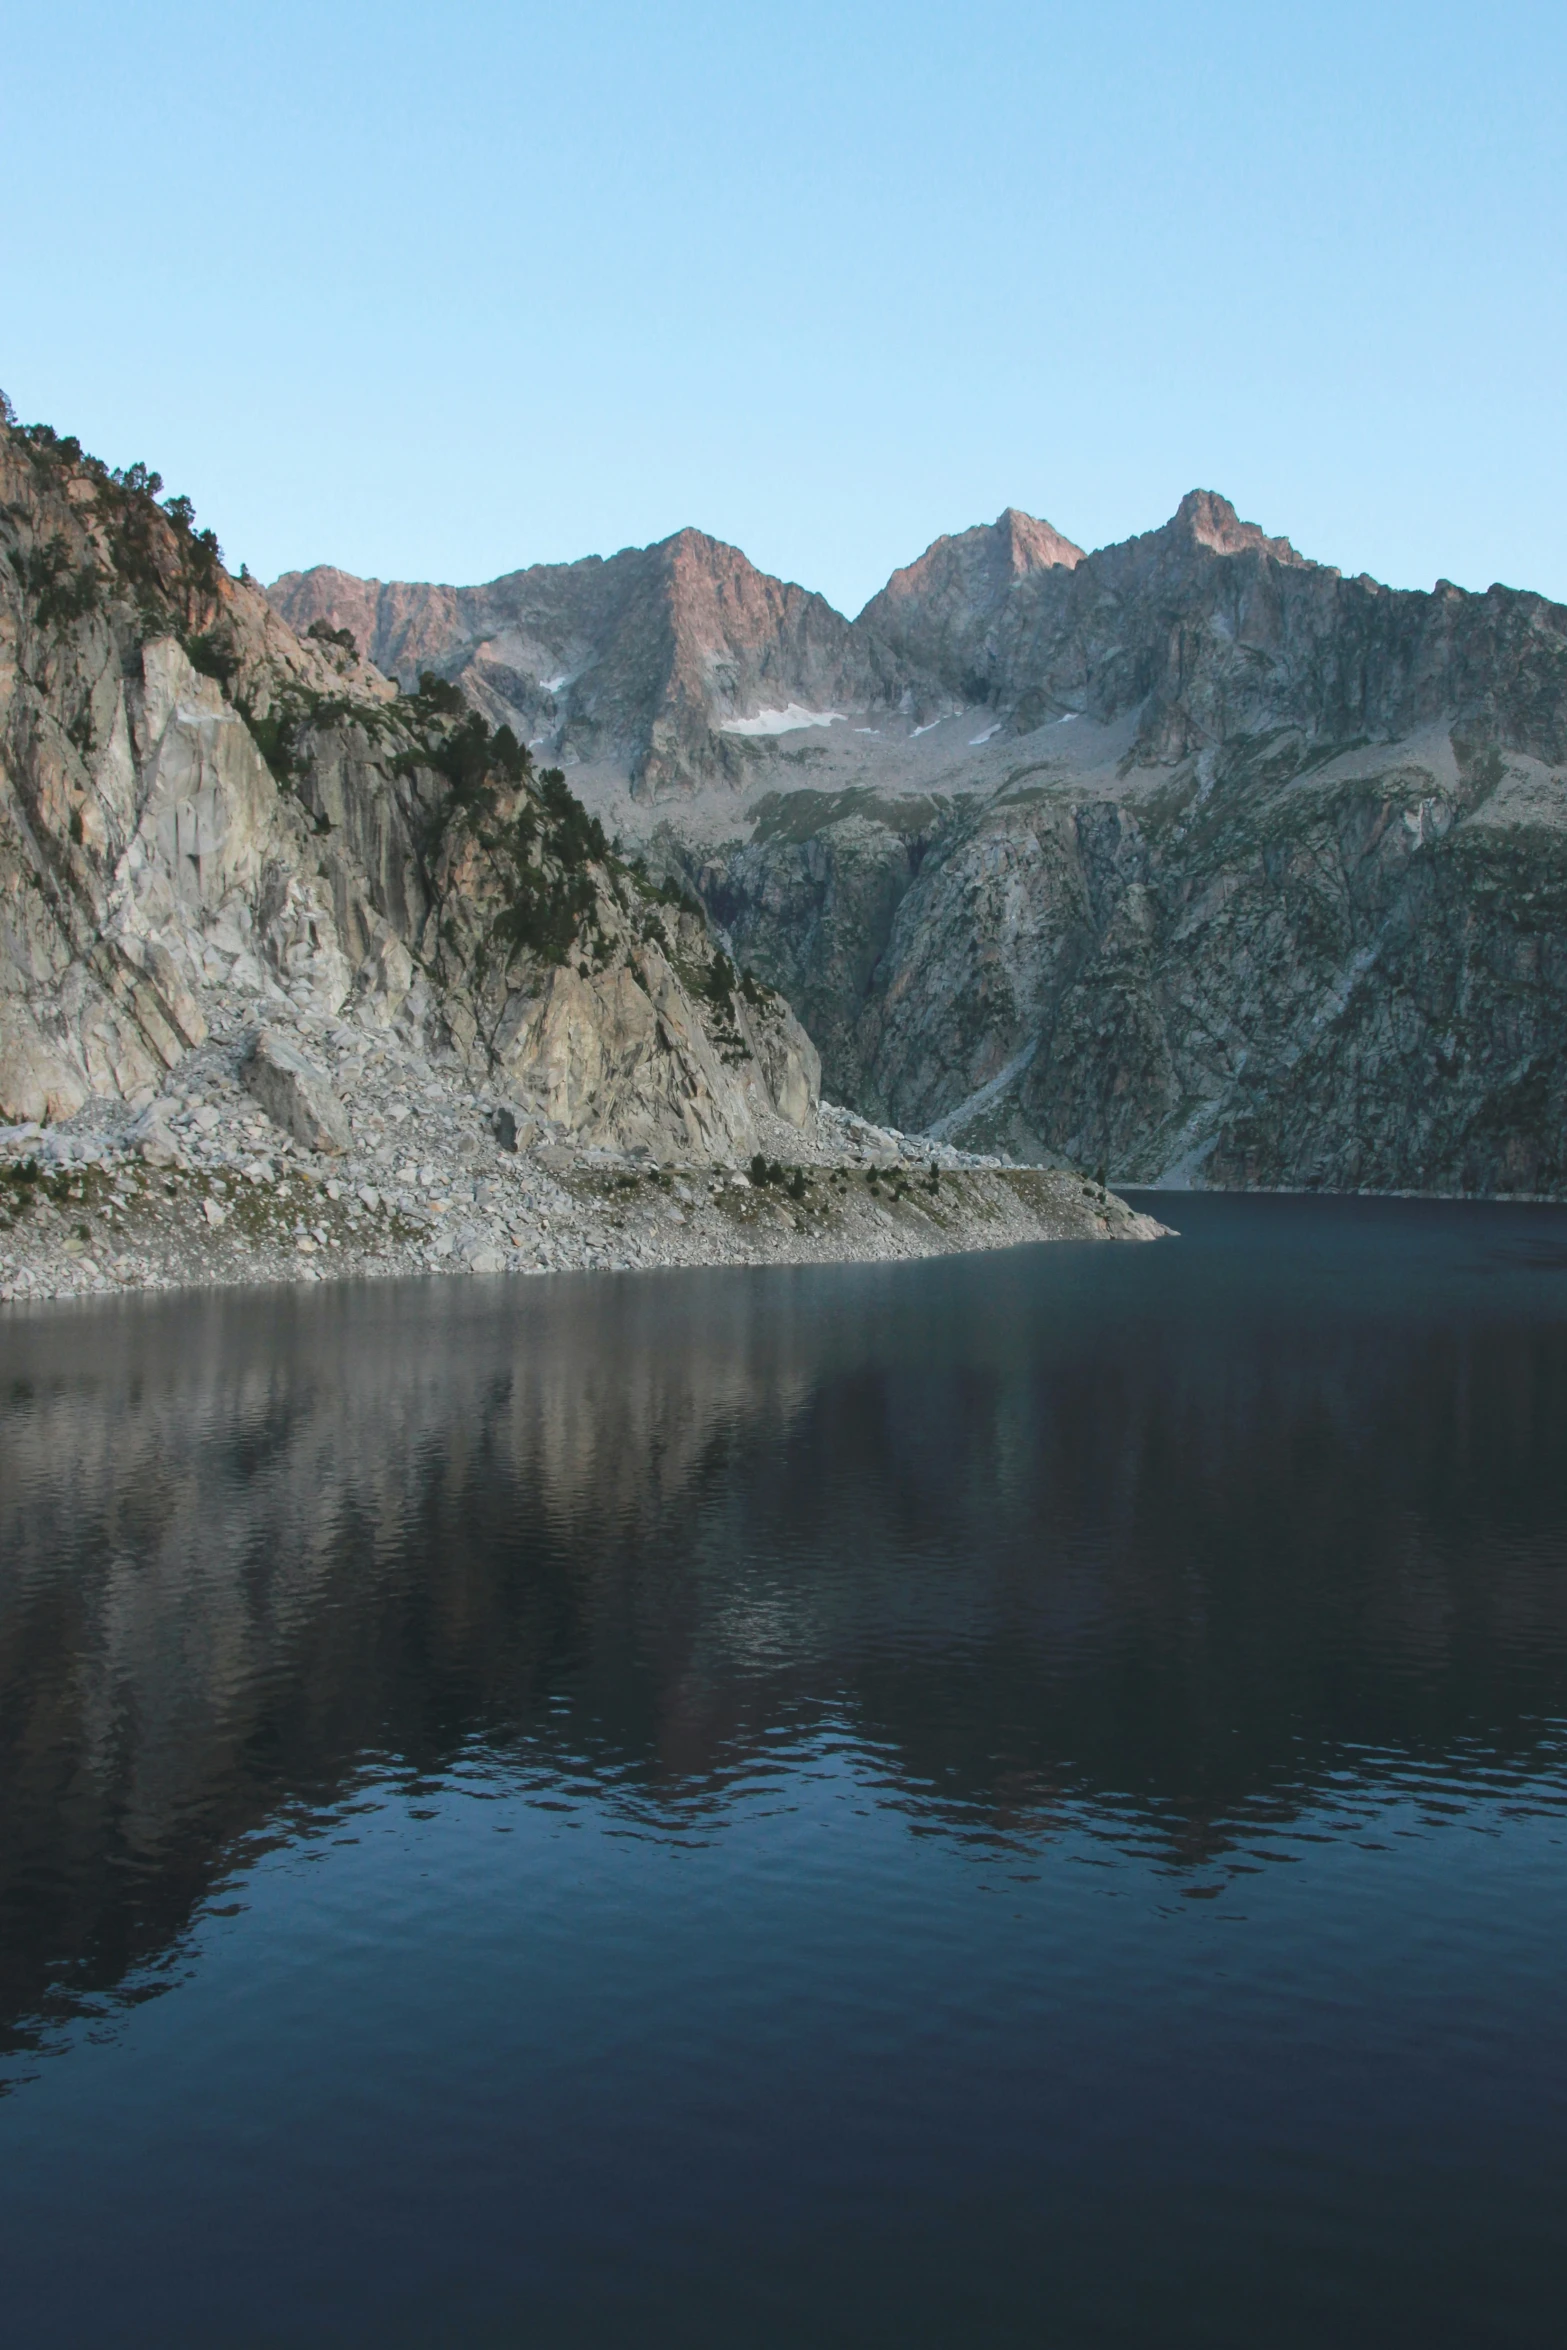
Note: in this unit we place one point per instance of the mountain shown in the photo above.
(643, 663)
(1257, 875)
(1188, 857)
(680, 665)
(205, 814)
(938, 614)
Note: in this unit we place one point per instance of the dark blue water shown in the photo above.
(1011, 1801)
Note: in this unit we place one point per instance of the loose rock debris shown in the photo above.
(205, 1185)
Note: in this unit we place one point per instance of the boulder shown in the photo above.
(295, 1094)
(155, 1137)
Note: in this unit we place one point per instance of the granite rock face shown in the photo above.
(194, 797)
(1263, 960)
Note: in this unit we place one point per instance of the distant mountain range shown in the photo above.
(659, 660)
(1189, 857)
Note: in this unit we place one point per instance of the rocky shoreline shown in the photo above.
(203, 1185)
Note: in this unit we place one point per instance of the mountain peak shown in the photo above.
(1032, 545)
(1208, 520)
(935, 612)
(980, 563)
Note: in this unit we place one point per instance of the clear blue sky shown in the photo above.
(435, 291)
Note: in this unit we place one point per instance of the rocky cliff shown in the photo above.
(1189, 857)
(1266, 884)
(194, 797)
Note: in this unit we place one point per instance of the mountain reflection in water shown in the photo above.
(1178, 1552)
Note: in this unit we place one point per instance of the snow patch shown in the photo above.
(975, 740)
(919, 730)
(786, 721)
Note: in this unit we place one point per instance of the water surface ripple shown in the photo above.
(1011, 1800)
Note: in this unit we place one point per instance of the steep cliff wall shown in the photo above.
(191, 794)
(1250, 970)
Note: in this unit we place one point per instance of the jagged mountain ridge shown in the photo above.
(1212, 633)
(662, 659)
(637, 660)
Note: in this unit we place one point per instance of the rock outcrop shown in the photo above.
(193, 796)
(296, 1095)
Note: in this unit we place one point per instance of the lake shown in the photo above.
(1018, 1799)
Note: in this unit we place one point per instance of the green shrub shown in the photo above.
(325, 634)
(441, 699)
(544, 914)
(464, 759)
(546, 906)
(208, 654)
(139, 482)
(69, 599)
(508, 756)
(60, 592)
(669, 893)
(273, 737)
(575, 836)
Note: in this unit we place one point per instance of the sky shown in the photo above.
(432, 292)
